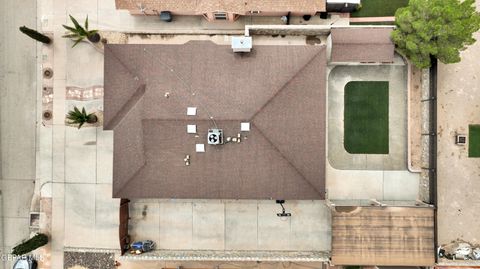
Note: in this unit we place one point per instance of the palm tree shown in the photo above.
(80, 117)
(79, 33)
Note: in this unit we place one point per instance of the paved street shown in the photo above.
(18, 114)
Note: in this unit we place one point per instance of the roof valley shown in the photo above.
(132, 101)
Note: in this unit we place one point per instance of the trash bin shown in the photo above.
(166, 16)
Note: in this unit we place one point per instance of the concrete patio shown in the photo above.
(231, 225)
(396, 75)
(370, 176)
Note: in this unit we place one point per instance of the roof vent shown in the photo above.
(215, 136)
(241, 43)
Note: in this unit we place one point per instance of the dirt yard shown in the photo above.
(458, 175)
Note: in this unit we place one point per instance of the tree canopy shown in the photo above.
(438, 28)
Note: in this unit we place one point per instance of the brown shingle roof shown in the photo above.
(362, 45)
(280, 90)
(235, 6)
(396, 236)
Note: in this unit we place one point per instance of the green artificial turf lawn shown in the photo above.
(379, 8)
(366, 117)
(474, 141)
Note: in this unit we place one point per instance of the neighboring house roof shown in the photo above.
(280, 90)
(234, 6)
(362, 45)
(396, 236)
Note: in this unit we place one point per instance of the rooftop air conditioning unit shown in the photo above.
(241, 43)
(215, 136)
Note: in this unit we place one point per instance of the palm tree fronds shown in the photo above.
(70, 36)
(78, 33)
(78, 41)
(75, 22)
(76, 116)
(71, 29)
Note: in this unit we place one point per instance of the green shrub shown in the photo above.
(31, 244)
(35, 35)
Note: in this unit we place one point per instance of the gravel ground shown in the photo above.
(89, 260)
(414, 120)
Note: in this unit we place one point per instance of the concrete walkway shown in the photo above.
(356, 185)
(17, 121)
